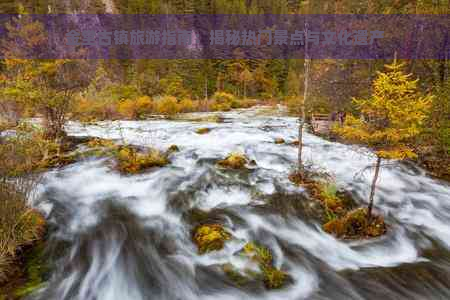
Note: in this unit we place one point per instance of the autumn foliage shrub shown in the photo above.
(223, 97)
(167, 105)
(87, 110)
(223, 101)
(135, 109)
(187, 105)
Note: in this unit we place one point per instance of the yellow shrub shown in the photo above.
(223, 97)
(223, 101)
(127, 109)
(168, 105)
(144, 105)
(220, 106)
(187, 105)
(135, 109)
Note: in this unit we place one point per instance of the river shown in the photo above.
(118, 237)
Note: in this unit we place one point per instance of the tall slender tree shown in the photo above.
(302, 117)
(390, 119)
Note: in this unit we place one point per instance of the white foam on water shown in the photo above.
(414, 202)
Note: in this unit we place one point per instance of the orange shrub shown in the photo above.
(144, 105)
(135, 109)
(127, 109)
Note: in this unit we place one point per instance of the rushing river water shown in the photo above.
(129, 237)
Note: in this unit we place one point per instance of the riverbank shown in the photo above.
(436, 163)
(30, 273)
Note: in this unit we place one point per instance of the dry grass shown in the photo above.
(20, 226)
(20, 156)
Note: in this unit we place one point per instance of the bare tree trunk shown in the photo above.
(301, 169)
(372, 190)
(206, 93)
(245, 91)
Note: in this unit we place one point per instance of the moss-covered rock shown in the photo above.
(355, 224)
(172, 149)
(203, 130)
(100, 147)
(279, 141)
(130, 161)
(328, 194)
(210, 237)
(271, 276)
(321, 189)
(234, 275)
(234, 161)
(258, 253)
(340, 216)
(68, 154)
(100, 143)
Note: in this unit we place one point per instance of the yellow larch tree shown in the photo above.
(390, 118)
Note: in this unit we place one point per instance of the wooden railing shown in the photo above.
(321, 123)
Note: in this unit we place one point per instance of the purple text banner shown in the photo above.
(108, 36)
